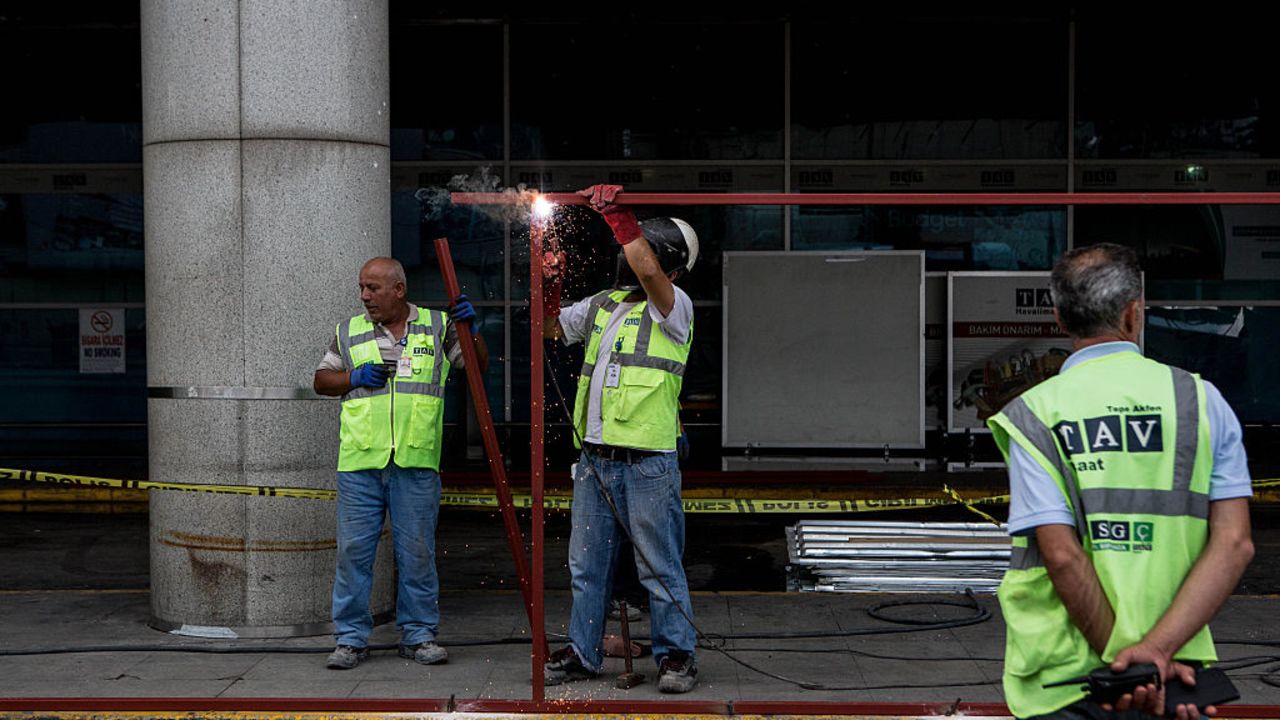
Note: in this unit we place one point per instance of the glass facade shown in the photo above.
(880, 102)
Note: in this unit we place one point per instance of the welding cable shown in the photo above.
(980, 615)
(716, 642)
(291, 649)
(873, 656)
(1270, 677)
(916, 626)
(1245, 662)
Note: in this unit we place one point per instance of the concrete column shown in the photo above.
(266, 170)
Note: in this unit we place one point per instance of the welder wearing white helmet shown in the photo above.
(626, 419)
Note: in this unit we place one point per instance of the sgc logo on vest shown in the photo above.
(1119, 534)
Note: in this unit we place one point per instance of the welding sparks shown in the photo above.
(542, 207)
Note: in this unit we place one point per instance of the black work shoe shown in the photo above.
(345, 657)
(427, 653)
(677, 673)
(564, 666)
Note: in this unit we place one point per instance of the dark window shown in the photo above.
(636, 91)
(965, 238)
(54, 417)
(446, 89)
(1231, 346)
(475, 244)
(1155, 87)
(929, 88)
(73, 83)
(71, 247)
(1194, 251)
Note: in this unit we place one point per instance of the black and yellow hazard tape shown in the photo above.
(57, 491)
(80, 481)
(61, 492)
(734, 505)
(971, 506)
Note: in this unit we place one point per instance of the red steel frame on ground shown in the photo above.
(538, 704)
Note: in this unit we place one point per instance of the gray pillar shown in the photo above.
(267, 185)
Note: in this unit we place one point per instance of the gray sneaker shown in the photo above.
(563, 666)
(677, 673)
(345, 657)
(427, 653)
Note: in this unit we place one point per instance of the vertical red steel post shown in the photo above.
(475, 383)
(536, 228)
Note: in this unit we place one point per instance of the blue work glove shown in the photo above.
(462, 310)
(370, 375)
(682, 447)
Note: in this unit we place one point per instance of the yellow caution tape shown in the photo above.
(956, 496)
(78, 488)
(109, 491)
(80, 481)
(732, 505)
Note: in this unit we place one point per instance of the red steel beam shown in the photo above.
(602, 707)
(1030, 198)
(475, 382)
(364, 706)
(536, 455)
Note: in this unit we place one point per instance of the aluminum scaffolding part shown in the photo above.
(858, 556)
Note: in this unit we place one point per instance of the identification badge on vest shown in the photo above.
(613, 371)
(404, 366)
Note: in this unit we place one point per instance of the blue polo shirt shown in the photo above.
(1034, 498)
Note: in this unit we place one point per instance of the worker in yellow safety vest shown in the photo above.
(1129, 504)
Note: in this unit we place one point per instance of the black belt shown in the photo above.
(619, 454)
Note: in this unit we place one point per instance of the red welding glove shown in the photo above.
(552, 282)
(620, 219)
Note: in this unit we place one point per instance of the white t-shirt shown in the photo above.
(576, 322)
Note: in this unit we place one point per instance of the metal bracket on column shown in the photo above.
(225, 392)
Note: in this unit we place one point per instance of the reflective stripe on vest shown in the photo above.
(1042, 438)
(640, 357)
(1025, 553)
(1184, 457)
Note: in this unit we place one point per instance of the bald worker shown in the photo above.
(389, 365)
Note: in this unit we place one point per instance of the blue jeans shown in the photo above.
(647, 494)
(412, 495)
